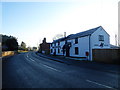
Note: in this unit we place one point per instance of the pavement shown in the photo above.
(112, 68)
(29, 70)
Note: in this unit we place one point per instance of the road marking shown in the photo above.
(27, 55)
(100, 84)
(52, 68)
(29, 59)
(32, 59)
(42, 64)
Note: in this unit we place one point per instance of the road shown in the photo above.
(27, 70)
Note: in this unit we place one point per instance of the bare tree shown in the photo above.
(58, 36)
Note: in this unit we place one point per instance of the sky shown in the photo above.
(32, 21)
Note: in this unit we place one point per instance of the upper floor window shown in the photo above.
(101, 38)
(58, 43)
(54, 44)
(76, 40)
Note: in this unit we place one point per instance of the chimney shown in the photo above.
(44, 40)
(64, 34)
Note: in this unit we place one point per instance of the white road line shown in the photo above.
(100, 84)
(42, 64)
(29, 59)
(52, 68)
(32, 59)
(27, 55)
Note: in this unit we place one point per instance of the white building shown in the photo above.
(81, 44)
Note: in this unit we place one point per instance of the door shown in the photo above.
(68, 52)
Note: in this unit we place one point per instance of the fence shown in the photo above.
(7, 53)
(106, 55)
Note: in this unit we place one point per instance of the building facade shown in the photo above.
(44, 47)
(81, 44)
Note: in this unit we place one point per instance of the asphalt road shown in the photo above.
(27, 70)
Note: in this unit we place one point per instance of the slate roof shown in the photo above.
(61, 39)
(84, 33)
(81, 34)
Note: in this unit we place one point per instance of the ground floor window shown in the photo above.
(54, 50)
(58, 50)
(51, 51)
(76, 50)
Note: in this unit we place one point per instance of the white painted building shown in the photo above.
(81, 44)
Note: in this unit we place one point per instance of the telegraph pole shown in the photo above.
(119, 23)
(116, 39)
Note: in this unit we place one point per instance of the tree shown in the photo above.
(12, 44)
(58, 36)
(9, 43)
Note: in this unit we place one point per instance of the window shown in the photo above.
(76, 40)
(51, 51)
(58, 43)
(101, 38)
(54, 44)
(51, 44)
(58, 50)
(54, 50)
(76, 50)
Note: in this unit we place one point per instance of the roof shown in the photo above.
(61, 39)
(84, 33)
(80, 34)
(114, 46)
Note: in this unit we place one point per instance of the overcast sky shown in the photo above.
(32, 21)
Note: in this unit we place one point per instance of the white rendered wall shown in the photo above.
(53, 47)
(83, 46)
(60, 48)
(95, 43)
